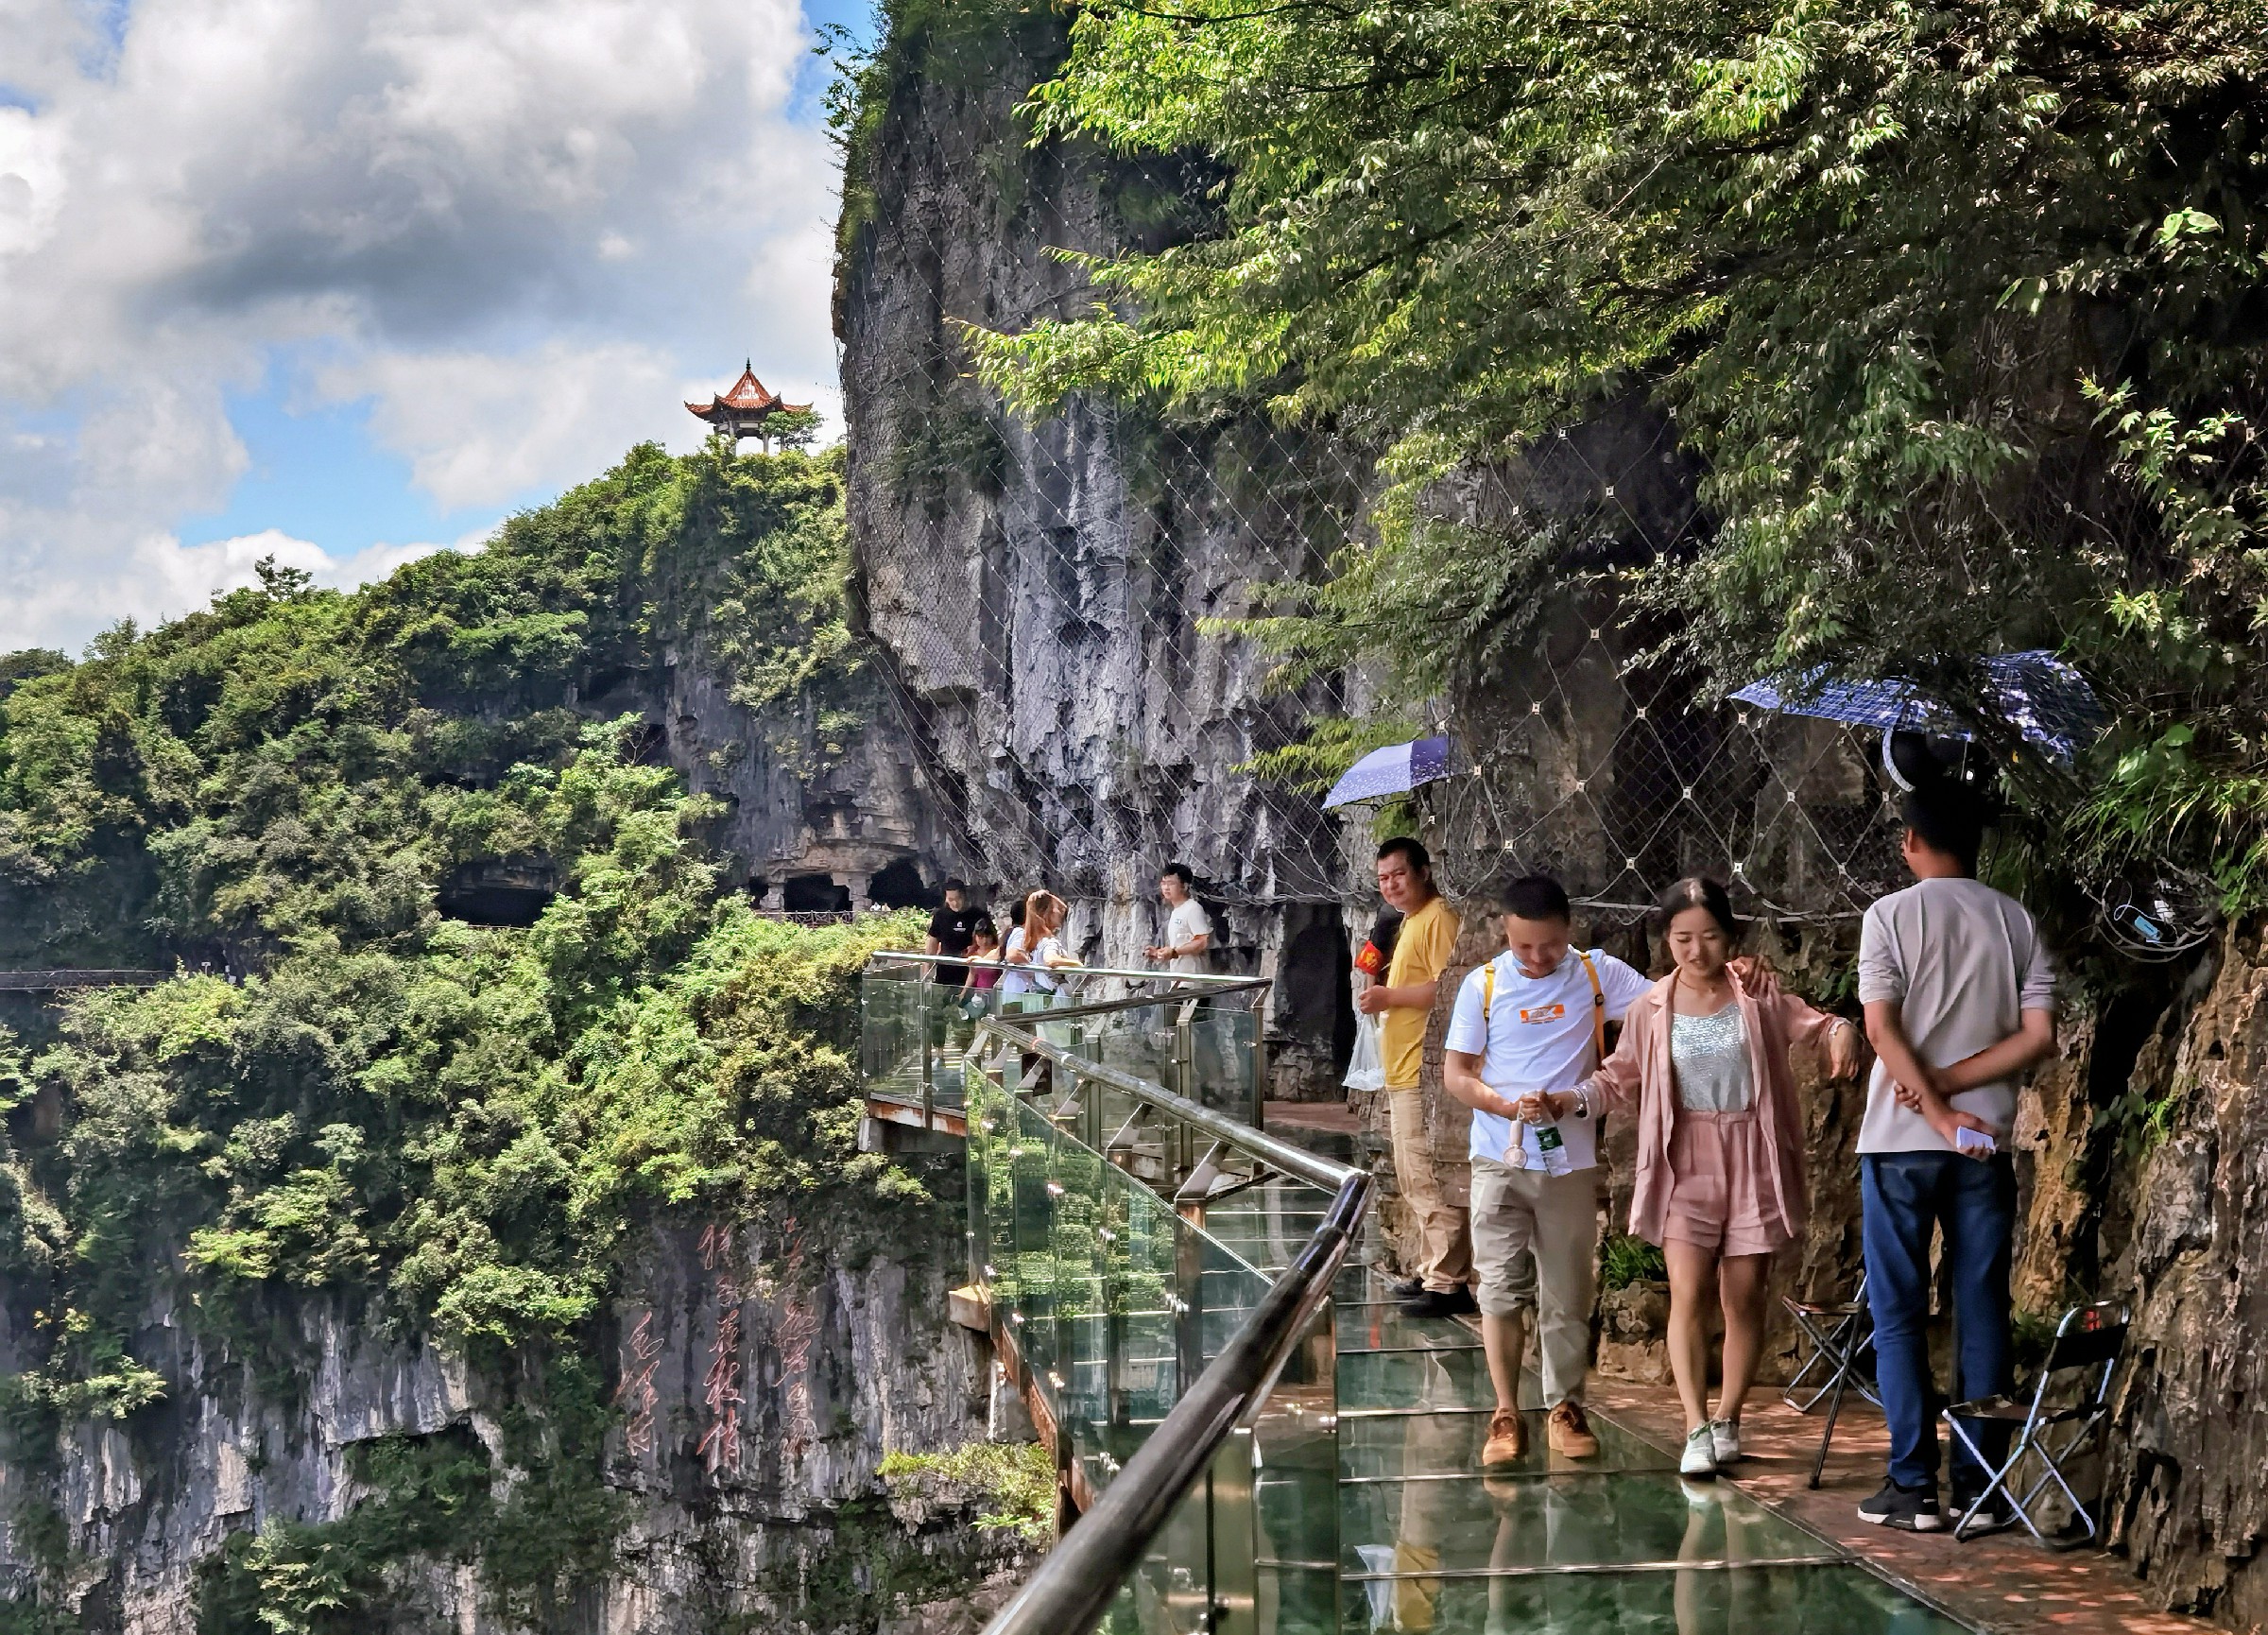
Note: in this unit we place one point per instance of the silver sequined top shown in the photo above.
(1711, 1054)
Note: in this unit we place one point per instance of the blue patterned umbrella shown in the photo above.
(2048, 702)
(1397, 770)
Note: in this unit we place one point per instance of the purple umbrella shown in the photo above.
(1397, 770)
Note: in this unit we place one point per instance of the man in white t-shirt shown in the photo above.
(1530, 1021)
(1188, 928)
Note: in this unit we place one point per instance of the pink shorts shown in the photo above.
(1717, 1165)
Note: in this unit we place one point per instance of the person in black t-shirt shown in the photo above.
(951, 929)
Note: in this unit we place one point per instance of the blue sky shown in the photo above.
(359, 285)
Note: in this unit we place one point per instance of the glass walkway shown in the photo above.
(1131, 1231)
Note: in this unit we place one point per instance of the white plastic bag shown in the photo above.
(1366, 1067)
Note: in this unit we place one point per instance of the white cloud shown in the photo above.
(156, 577)
(516, 229)
(478, 429)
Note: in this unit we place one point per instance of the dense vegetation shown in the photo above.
(458, 1127)
(1958, 305)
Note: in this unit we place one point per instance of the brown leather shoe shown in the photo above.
(1569, 1431)
(1507, 1442)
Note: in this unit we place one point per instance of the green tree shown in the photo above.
(1958, 306)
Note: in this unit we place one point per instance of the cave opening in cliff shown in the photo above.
(512, 894)
(1314, 994)
(814, 894)
(899, 886)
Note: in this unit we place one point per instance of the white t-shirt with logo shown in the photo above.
(1538, 1036)
(1187, 922)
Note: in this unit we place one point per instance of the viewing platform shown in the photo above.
(1250, 1438)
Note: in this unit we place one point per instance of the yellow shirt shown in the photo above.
(1421, 954)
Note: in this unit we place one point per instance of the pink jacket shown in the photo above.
(1640, 1072)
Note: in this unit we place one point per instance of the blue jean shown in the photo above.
(1904, 1194)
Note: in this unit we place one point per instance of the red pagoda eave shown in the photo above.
(746, 404)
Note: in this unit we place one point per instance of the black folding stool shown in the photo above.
(1842, 1338)
(2090, 1337)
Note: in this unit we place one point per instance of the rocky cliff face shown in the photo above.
(826, 815)
(1037, 590)
(2188, 1224)
(755, 1386)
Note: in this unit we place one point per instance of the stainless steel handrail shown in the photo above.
(1200, 978)
(1181, 988)
(1076, 1584)
(1295, 1162)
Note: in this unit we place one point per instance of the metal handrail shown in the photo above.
(1295, 1162)
(1132, 1002)
(1198, 978)
(1075, 1583)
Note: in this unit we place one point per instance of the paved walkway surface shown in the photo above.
(1431, 1551)
(2003, 1584)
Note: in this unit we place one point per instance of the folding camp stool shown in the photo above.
(1842, 1338)
(2088, 1342)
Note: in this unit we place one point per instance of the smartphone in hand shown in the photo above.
(1974, 1141)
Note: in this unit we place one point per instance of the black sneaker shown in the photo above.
(1405, 1288)
(1456, 1302)
(1997, 1516)
(1910, 1509)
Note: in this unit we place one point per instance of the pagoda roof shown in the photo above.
(747, 397)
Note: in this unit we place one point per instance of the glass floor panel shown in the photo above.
(1692, 1601)
(1512, 1525)
(1444, 1379)
(1400, 1446)
(1384, 1328)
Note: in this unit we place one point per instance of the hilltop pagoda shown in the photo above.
(746, 410)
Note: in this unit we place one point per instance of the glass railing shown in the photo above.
(1116, 1293)
(1258, 1442)
(1198, 1035)
(1159, 1271)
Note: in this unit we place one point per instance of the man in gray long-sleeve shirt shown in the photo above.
(1960, 1000)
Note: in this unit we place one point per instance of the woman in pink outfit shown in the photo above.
(1704, 1055)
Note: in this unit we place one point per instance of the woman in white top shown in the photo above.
(1033, 952)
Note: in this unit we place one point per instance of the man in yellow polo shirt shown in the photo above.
(1403, 1003)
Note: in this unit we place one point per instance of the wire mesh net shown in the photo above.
(1040, 593)
(1585, 750)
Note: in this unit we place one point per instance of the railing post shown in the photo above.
(1185, 1053)
(1233, 1539)
(976, 1153)
(1260, 1072)
(923, 994)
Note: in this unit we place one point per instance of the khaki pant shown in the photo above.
(1445, 1238)
(1556, 1217)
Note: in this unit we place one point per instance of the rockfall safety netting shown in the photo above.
(1041, 597)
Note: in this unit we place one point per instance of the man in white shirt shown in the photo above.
(1530, 1021)
(1960, 1000)
(1188, 927)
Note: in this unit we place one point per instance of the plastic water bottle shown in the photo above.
(1553, 1146)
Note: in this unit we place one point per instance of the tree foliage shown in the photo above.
(458, 1127)
(1958, 305)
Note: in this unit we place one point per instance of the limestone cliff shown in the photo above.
(754, 1389)
(1035, 590)
(2188, 1220)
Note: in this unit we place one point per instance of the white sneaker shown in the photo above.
(1724, 1437)
(1700, 1460)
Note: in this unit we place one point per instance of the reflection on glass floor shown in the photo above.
(1422, 1541)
